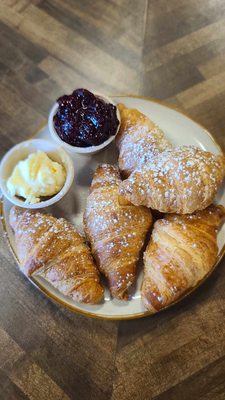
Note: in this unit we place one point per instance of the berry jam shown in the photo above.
(84, 120)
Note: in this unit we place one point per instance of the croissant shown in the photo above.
(53, 249)
(182, 250)
(138, 140)
(180, 180)
(116, 233)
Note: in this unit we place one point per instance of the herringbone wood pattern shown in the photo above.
(172, 50)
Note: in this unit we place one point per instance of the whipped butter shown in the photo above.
(36, 176)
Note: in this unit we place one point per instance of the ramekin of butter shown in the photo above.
(36, 173)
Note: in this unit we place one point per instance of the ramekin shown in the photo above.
(75, 149)
(20, 152)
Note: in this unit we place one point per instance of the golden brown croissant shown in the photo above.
(180, 180)
(53, 249)
(138, 140)
(116, 233)
(182, 250)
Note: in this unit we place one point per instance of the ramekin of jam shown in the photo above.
(84, 122)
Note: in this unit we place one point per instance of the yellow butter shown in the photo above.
(36, 176)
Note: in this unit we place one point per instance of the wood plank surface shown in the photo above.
(171, 50)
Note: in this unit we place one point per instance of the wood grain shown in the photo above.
(172, 50)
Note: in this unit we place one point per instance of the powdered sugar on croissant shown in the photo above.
(116, 233)
(179, 180)
(53, 249)
(139, 139)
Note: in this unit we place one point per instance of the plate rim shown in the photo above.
(57, 300)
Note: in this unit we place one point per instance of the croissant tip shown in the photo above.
(119, 293)
(88, 293)
(121, 106)
(122, 297)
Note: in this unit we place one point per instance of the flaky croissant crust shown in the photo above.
(182, 250)
(179, 180)
(116, 233)
(138, 140)
(53, 249)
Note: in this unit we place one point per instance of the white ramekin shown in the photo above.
(20, 152)
(81, 150)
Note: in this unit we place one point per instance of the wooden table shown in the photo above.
(173, 50)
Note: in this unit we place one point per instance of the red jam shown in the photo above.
(84, 120)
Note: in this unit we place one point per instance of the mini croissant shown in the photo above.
(181, 252)
(180, 180)
(53, 249)
(116, 232)
(138, 140)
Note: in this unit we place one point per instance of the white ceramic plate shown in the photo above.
(180, 130)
